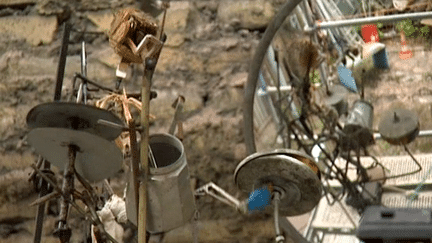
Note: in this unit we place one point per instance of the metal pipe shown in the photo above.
(223, 196)
(62, 62)
(273, 89)
(291, 231)
(423, 133)
(84, 70)
(370, 20)
(279, 236)
(135, 161)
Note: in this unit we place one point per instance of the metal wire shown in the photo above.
(276, 199)
(404, 174)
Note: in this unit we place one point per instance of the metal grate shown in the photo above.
(333, 217)
(398, 200)
(397, 165)
(337, 238)
(329, 223)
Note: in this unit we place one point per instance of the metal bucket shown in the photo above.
(170, 200)
(358, 127)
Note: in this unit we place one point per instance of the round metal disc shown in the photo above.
(337, 94)
(297, 182)
(306, 159)
(96, 158)
(399, 126)
(74, 116)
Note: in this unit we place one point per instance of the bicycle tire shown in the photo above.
(254, 71)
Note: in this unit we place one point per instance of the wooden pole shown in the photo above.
(149, 66)
(145, 99)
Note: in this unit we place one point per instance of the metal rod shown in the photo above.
(45, 198)
(94, 83)
(62, 62)
(152, 158)
(423, 133)
(67, 189)
(41, 208)
(57, 95)
(347, 214)
(370, 20)
(291, 231)
(135, 160)
(95, 220)
(83, 59)
(223, 196)
(177, 115)
(279, 236)
(403, 174)
(84, 70)
(111, 124)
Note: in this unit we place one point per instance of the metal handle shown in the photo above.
(218, 193)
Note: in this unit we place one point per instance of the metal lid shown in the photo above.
(74, 116)
(298, 183)
(399, 126)
(96, 158)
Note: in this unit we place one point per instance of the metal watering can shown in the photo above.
(171, 202)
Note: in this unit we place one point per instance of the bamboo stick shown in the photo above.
(145, 99)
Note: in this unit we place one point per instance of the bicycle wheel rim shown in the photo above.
(254, 71)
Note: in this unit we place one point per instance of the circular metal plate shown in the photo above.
(299, 184)
(96, 158)
(399, 126)
(306, 159)
(74, 116)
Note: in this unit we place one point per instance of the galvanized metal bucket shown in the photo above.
(358, 127)
(170, 200)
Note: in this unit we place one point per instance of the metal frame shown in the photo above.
(369, 20)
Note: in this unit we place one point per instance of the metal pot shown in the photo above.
(170, 200)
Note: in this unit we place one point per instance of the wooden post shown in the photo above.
(149, 65)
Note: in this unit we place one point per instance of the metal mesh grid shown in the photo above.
(337, 238)
(397, 165)
(333, 216)
(332, 224)
(398, 200)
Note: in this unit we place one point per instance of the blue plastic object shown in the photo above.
(380, 59)
(346, 78)
(259, 199)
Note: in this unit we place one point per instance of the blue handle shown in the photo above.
(259, 199)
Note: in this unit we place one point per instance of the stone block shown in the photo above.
(175, 39)
(174, 59)
(35, 30)
(223, 60)
(107, 56)
(252, 14)
(161, 106)
(10, 3)
(102, 19)
(177, 16)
